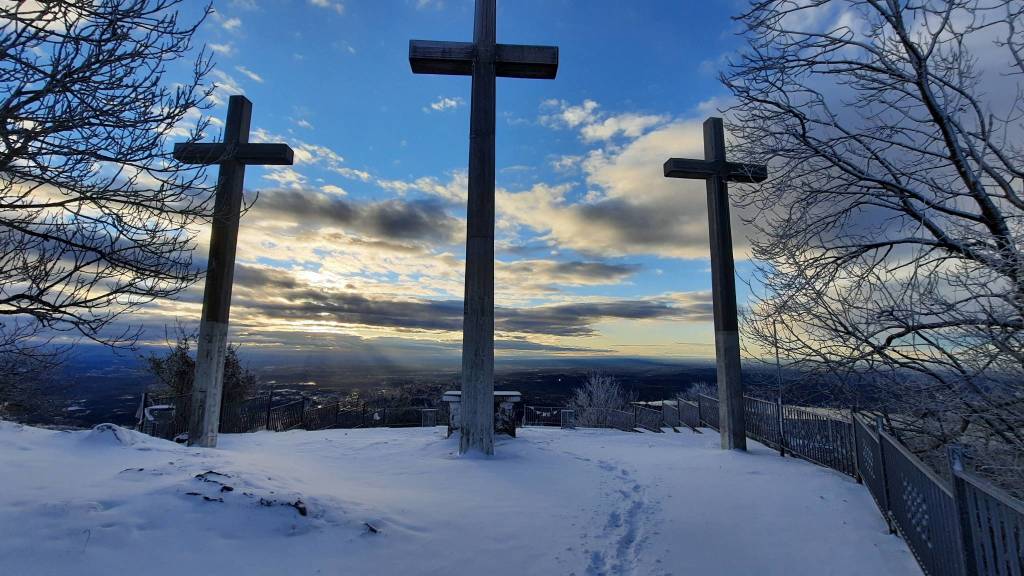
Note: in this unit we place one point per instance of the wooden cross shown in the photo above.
(717, 173)
(483, 59)
(233, 155)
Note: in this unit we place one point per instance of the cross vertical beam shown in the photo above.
(717, 173)
(232, 156)
(477, 431)
(484, 60)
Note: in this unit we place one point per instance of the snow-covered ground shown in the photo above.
(553, 502)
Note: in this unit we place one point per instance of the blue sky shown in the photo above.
(360, 243)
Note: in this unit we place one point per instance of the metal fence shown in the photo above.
(670, 414)
(966, 527)
(763, 421)
(819, 438)
(246, 416)
(166, 416)
(568, 419)
(914, 500)
(689, 414)
(287, 416)
(606, 418)
(542, 416)
(992, 524)
(707, 411)
(648, 418)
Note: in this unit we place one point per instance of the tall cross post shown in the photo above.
(483, 59)
(717, 173)
(232, 155)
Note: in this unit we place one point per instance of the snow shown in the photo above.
(558, 502)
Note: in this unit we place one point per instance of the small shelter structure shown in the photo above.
(504, 410)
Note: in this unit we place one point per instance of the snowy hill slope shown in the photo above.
(583, 502)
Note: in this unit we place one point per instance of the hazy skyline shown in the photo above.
(358, 248)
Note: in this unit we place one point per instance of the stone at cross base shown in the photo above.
(717, 173)
(483, 59)
(232, 155)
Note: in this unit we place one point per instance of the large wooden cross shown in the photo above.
(233, 155)
(717, 172)
(483, 59)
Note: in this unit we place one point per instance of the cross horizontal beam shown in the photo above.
(704, 169)
(248, 154)
(510, 60)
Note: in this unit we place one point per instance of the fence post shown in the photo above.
(856, 446)
(781, 421)
(700, 411)
(142, 412)
(965, 534)
(270, 402)
(883, 473)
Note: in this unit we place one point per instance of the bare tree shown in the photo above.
(95, 218)
(890, 235)
(597, 397)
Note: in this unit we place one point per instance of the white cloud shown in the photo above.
(328, 4)
(567, 162)
(594, 125)
(285, 177)
(252, 75)
(303, 123)
(353, 174)
(568, 116)
(424, 4)
(226, 49)
(628, 125)
(444, 103)
(332, 189)
(231, 24)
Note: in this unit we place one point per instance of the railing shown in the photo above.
(606, 418)
(670, 413)
(763, 421)
(246, 416)
(689, 414)
(568, 419)
(648, 419)
(320, 417)
(819, 438)
(707, 411)
(165, 416)
(287, 416)
(542, 416)
(992, 523)
(428, 417)
(964, 528)
(402, 417)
